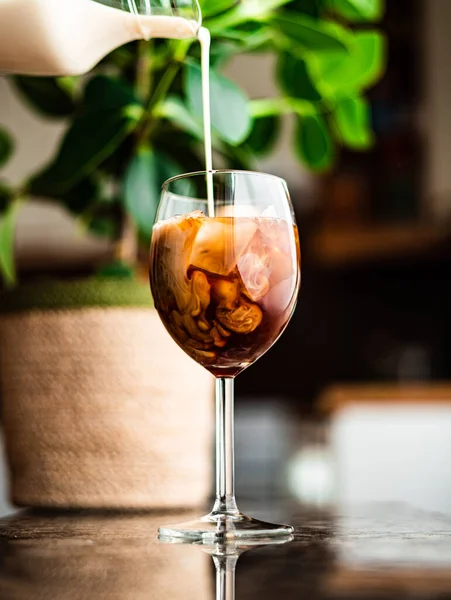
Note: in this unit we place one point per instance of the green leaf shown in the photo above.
(306, 33)
(230, 116)
(108, 93)
(123, 57)
(359, 10)
(104, 226)
(174, 109)
(142, 183)
(7, 238)
(294, 78)
(181, 147)
(359, 69)
(313, 143)
(81, 197)
(109, 113)
(6, 146)
(311, 8)
(222, 50)
(229, 42)
(214, 7)
(47, 96)
(6, 196)
(88, 142)
(353, 122)
(69, 84)
(264, 135)
(248, 10)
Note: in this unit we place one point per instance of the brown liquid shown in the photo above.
(225, 287)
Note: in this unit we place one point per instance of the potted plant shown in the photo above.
(132, 123)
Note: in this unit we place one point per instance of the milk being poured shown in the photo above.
(69, 37)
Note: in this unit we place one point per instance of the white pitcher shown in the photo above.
(69, 37)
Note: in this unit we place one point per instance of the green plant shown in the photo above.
(136, 120)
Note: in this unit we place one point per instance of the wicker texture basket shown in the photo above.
(101, 409)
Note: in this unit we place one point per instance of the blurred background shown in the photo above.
(354, 401)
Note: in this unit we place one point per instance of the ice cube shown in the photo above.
(236, 210)
(174, 239)
(254, 275)
(277, 232)
(220, 243)
(271, 212)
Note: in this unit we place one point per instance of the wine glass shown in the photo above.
(225, 276)
(225, 555)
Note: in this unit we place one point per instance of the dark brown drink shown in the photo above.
(225, 287)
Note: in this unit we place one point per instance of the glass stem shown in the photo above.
(225, 577)
(225, 449)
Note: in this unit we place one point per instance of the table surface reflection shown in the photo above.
(374, 551)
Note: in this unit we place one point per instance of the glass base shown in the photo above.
(216, 527)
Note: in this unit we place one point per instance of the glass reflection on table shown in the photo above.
(225, 557)
(109, 557)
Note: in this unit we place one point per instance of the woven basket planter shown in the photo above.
(101, 409)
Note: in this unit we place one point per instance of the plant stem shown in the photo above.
(127, 247)
(268, 107)
(163, 85)
(144, 70)
(7, 240)
(163, 88)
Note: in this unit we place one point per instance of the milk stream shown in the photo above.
(204, 39)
